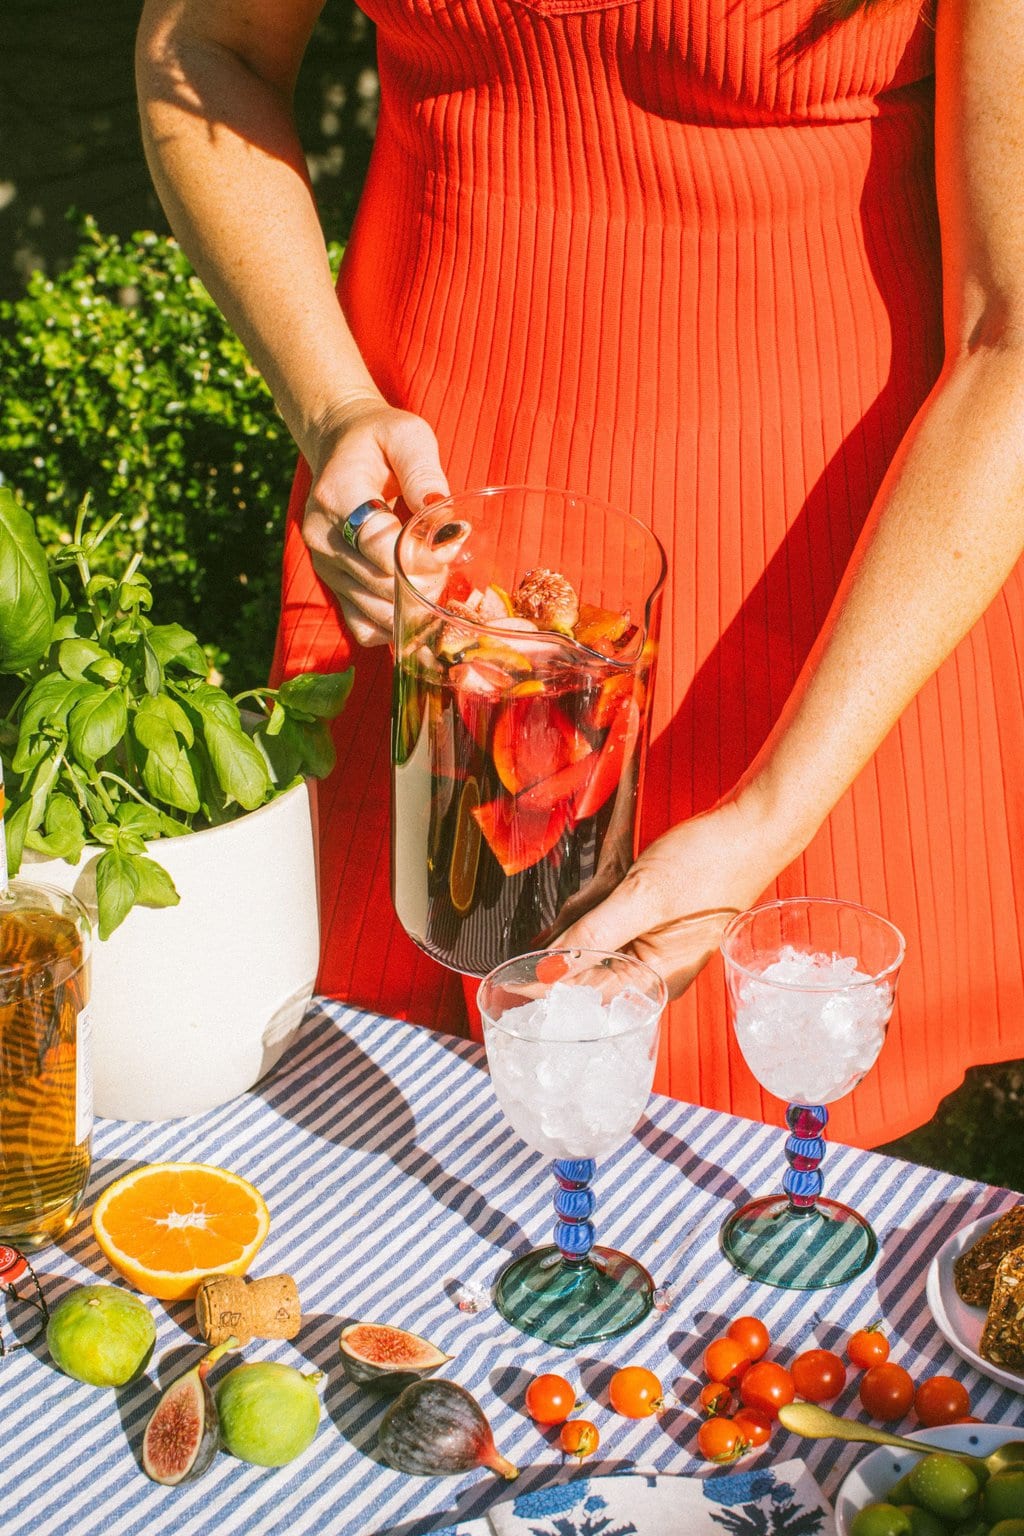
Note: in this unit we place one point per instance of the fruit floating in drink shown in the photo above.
(519, 719)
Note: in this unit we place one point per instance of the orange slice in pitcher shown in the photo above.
(465, 850)
(166, 1226)
(533, 739)
(519, 839)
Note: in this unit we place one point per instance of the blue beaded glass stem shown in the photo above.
(574, 1204)
(805, 1147)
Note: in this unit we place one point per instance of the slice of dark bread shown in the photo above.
(974, 1272)
(1003, 1338)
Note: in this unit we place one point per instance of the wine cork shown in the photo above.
(262, 1309)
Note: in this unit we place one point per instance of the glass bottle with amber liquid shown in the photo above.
(45, 1062)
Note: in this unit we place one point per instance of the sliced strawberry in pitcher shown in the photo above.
(533, 739)
(615, 752)
(519, 839)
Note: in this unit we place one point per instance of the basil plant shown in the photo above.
(113, 733)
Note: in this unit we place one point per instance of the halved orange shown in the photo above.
(166, 1226)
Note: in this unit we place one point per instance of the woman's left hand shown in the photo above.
(672, 905)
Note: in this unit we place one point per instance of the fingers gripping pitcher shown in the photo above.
(525, 634)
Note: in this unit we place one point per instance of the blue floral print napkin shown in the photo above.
(775, 1501)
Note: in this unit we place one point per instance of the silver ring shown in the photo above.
(355, 520)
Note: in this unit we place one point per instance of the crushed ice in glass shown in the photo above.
(573, 1072)
(811, 1039)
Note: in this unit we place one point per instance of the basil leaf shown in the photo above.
(154, 717)
(117, 886)
(75, 656)
(238, 763)
(46, 709)
(171, 642)
(322, 694)
(152, 672)
(146, 820)
(129, 841)
(214, 704)
(64, 830)
(156, 888)
(16, 822)
(97, 723)
(283, 757)
(312, 741)
(26, 598)
(32, 800)
(167, 774)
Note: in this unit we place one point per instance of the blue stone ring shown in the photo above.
(355, 520)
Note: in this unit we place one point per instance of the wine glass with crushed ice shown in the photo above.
(572, 1038)
(811, 987)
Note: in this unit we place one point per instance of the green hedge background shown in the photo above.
(120, 381)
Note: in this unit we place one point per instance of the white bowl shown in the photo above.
(871, 1479)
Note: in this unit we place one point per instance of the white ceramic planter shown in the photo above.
(192, 1004)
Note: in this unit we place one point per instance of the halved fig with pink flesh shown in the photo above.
(387, 1359)
(183, 1433)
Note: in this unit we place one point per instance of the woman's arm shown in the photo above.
(215, 82)
(946, 529)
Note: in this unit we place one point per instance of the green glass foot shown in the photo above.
(798, 1250)
(574, 1302)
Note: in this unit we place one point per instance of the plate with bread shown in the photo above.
(975, 1290)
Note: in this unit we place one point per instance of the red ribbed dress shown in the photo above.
(649, 251)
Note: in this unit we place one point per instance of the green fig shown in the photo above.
(268, 1412)
(101, 1334)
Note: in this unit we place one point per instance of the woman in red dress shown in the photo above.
(756, 278)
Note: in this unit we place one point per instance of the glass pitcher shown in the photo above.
(525, 636)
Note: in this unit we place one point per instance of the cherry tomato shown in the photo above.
(767, 1387)
(751, 1335)
(725, 1360)
(550, 1399)
(578, 1437)
(818, 1375)
(635, 1392)
(868, 1347)
(941, 1400)
(715, 1399)
(720, 1440)
(755, 1427)
(886, 1391)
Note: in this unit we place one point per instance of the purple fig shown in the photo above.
(436, 1427)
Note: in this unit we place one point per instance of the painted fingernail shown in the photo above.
(432, 498)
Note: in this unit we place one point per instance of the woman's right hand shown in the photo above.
(372, 451)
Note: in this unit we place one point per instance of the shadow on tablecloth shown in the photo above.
(329, 1060)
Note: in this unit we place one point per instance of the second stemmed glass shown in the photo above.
(811, 987)
(571, 1038)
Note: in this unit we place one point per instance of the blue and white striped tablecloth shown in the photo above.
(392, 1179)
